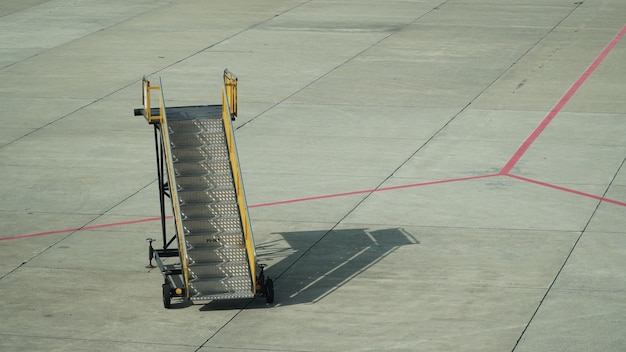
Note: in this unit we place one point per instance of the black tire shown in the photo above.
(167, 296)
(269, 291)
(261, 282)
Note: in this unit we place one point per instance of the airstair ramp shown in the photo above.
(198, 170)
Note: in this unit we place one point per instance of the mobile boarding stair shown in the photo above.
(211, 255)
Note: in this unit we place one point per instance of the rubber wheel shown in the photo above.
(269, 291)
(261, 282)
(167, 296)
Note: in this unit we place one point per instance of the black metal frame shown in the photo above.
(163, 185)
(170, 285)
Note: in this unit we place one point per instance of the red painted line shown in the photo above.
(561, 103)
(85, 228)
(94, 227)
(326, 196)
(569, 190)
(504, 172)
(334, 195)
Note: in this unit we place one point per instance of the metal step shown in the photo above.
(217, 255)
(223, 238)
(204, 167)
(210, 210)
(204, 181)
(230, 288)
(211, 271)
(196, 125)
(188, 140)
(215, 195)
(211, 226)
(214, 152)
(215, 225)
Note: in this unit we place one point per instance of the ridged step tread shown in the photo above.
(202, 182)
(196, 125)
(221, 238)
(203, 296)
(203, 167)
(219, 271)
(230, 288)
(196, 153)
(214, 195)
(210, 211)
(177, 114)
(189, 140)
(198, 237)
(216, 256)
(212, 226)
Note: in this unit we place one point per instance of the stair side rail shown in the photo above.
(229, 112)
(162, 120)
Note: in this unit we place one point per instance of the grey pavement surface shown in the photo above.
(423, 175)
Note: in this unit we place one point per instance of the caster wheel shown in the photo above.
(269, 291)
(167, 296)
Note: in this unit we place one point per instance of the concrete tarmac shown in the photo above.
(427, 175)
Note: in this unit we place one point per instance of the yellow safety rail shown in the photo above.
(229, 112)
(182, 248)
(147, 102)
(229, 96)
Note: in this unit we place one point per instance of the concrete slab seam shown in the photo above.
(505, 171)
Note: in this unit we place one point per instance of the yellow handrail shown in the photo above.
(229, 99)
(147, 103)
(229, 112)
(182, 247)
